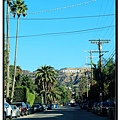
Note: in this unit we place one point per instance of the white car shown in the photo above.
(7, 111)
(15, 111)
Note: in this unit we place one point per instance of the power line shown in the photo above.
(61, 8)
(69, 32)
(104, 15)
(113, 54)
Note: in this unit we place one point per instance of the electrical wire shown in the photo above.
(104, 15)
(113, 54)
(69, 32)
(65, 7)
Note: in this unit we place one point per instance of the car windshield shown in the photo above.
(107, 104)
(38, 103)
(17, 104)
(12, 106)
(35, 105)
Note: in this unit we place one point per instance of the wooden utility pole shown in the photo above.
(99, 43)
(91, 79)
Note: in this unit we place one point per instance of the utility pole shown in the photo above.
(86, 76)
(99, 43)
(91, 79)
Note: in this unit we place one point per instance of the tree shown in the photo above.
(18, 76)
(7, 47)
(45, 79)
(18, 7)
(28, 82)
(5, 68)
(109, 74)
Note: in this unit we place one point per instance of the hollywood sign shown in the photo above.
(71, 71)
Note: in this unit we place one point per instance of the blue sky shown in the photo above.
(62, 50)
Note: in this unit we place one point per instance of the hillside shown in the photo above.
(66, 76)
(71, 76)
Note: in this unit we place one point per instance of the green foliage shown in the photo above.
(28, 82)
(18, 75)
(18, 7)
(108, 78)
(64, 93)
(38, 98)
(30, 97)
(22, 94)
(45, 80)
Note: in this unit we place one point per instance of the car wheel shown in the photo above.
(26, 113)
(10, 117)
(18, 114)
(4, 116)
(22, 114)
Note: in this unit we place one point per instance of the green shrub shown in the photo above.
(38, 98)
(19, 94)
(22, 94)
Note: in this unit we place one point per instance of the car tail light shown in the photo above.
(20, 109)
(103, 107)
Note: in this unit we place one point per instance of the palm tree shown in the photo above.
(7, 47)
(54, 95)
(45, 76)
(17, 8)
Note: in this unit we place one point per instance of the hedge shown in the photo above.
(22, 94)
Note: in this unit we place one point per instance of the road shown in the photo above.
(63, 113)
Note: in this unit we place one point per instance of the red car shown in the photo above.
(22, 107)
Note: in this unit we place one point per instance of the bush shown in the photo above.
(22, 94)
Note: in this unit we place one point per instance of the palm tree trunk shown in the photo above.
(16, 48)
(8, 50)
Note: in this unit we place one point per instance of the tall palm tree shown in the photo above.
(18, 8)
(7, 47)
(45, 76)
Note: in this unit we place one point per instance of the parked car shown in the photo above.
(90, 105)
(22, 107)
(73, 104)
(36, 107)
(45, 107)
(7, 111)
(84, 105)
(94, 108)
(15, 111)
(30, 109)
(81, 104)
(41, 106)
(102, 107)
(50, 106)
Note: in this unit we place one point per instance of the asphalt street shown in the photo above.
(63, 113)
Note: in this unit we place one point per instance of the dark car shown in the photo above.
(30, 109)
(50, 106)
(90, 105)
(84, 105)
(81, 104)
(94, 108)
(45, 106)
(36, 107)
(41, 106)
(73, 104)
(22, 107)
(102, 107)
